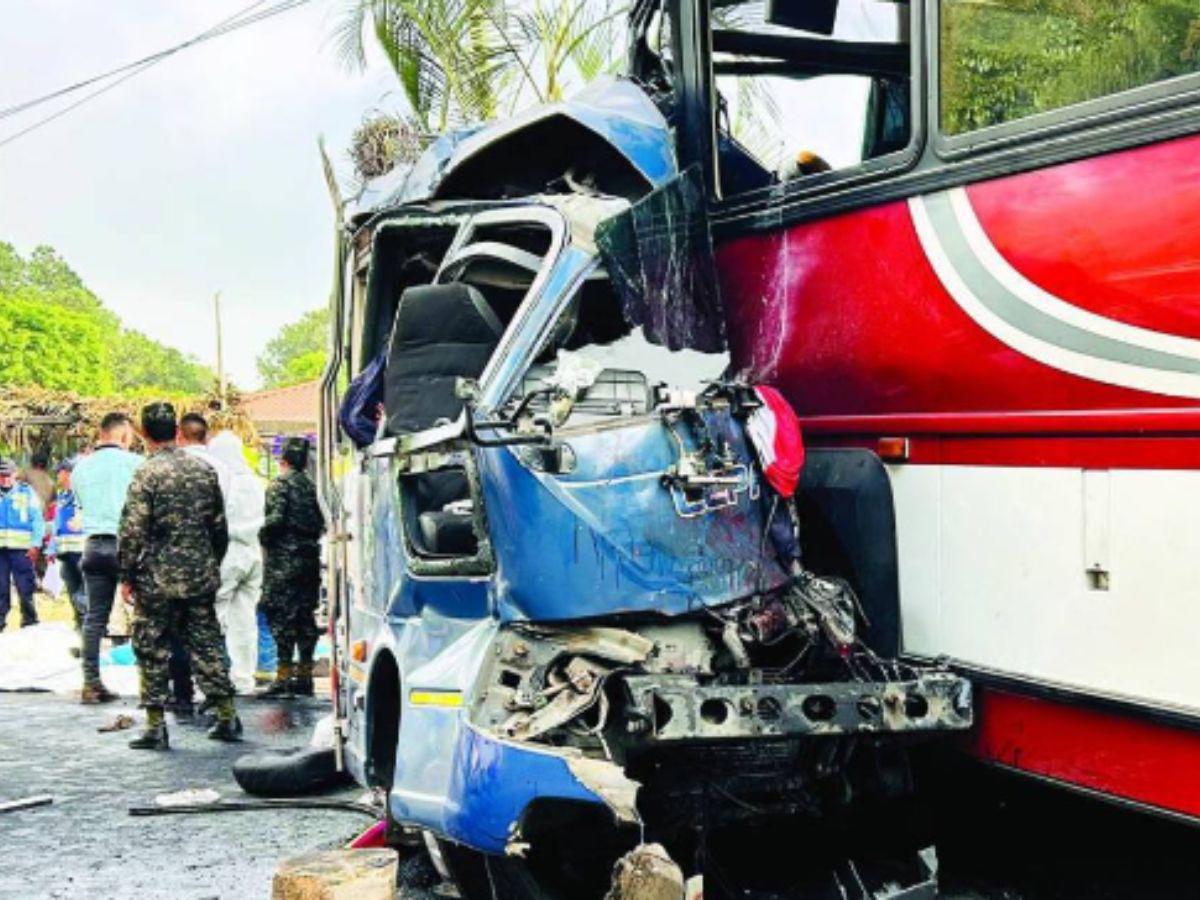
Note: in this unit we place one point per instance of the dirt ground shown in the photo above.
(49, 610)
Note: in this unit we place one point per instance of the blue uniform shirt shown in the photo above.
(100, 482)
(22, 523)
(68, 525)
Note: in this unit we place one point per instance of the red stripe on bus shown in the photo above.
(1115, 754)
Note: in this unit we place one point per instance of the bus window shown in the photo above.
(791, 103)
(1008, 59)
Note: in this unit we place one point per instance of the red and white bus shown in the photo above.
(965, 236)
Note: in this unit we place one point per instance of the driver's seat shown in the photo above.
(442, 332)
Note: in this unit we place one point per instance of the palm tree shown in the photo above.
(560, 39)
(456, 58)
(446, 55)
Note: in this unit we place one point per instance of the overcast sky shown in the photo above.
(201, 174)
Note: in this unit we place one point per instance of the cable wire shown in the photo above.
(153, 57)
(230, 24)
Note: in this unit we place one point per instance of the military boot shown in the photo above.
(154, 737)
(95, 692)
(229, 726)
(282, 685)
(302, 684)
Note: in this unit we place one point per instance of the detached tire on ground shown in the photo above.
(288, 773)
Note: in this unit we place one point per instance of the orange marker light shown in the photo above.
(358, 651)
(893, 449)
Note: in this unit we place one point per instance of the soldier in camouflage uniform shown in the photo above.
(171, 541)
(291, 540)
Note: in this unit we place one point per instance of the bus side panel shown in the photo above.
(1036, 338)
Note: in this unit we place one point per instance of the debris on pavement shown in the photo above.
(188, 797)
(120, 723)
(254, 806)
(877, 880)
(26, 803)
(374, 836)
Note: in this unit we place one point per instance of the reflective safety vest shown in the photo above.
(21, 522)
(68, 525)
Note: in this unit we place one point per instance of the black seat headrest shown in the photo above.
(442, 332)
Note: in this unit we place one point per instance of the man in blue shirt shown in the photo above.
(100, 481)
(22, 527)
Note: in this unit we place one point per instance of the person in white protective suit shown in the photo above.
(241, 570)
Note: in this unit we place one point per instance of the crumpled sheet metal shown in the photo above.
(609, 782)
(616, 109)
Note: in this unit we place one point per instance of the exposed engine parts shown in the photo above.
(675, 708)
(785, 665)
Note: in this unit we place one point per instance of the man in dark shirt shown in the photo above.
(171, 542)
(291, 541)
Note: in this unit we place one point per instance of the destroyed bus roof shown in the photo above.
(627, 137)
(583, 213)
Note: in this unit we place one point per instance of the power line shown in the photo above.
(137, 63)
(233, 23)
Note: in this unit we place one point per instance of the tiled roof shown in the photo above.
(291, 409)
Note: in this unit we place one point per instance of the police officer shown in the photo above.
(66, 541)
(291, 541)
(171, 542)
(22, 528)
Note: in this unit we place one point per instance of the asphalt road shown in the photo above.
(86, 844)
(998, 837)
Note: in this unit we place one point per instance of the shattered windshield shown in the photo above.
(453, 327)
(605, 363)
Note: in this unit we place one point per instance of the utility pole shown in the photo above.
(220, 351)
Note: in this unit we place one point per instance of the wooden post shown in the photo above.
(220, 351)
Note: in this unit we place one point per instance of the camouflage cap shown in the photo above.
(295, 452)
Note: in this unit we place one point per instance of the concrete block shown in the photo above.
(337, 875)
(646, 872)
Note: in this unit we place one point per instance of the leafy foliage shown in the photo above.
(1006, 60)
(297, 353)
(53, 346)
(141, 363)
(444, 53)
(57, 334)
(458, 60)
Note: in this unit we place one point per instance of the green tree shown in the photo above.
(56, 333)
(53, 346)
(447, 54)
(1006, 60)
(142, 363)
(457, 59)
(297, 353)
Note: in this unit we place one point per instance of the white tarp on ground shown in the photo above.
(39, 658)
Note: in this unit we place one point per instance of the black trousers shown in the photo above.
(68, 564)
(16, 566)
(99, 566)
